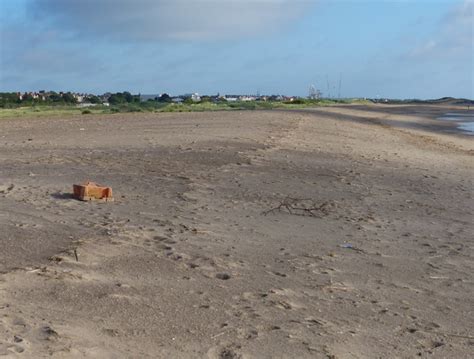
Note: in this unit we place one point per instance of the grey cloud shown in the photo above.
(149, 20)
(44, 50)
(41, 60)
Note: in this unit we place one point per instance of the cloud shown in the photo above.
(85, 43)
(453, 38)
(151, 20)
(42, 58)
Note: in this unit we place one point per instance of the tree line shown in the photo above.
(16, 99)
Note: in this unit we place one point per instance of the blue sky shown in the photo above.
(397, 49)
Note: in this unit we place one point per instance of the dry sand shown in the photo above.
(190, 261)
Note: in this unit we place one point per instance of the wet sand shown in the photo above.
(339, 232)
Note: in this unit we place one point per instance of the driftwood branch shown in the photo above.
(301, 207)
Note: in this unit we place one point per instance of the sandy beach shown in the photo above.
(333, 232)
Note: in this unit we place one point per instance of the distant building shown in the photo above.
(276, 98)
(193, 96)
(230, 98)
(79, 97)
(247, 98)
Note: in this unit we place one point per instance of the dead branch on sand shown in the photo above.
(302, 207)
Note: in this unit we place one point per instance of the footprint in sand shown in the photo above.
(227, 352)
(164, 247)
(165, 240)
(5, 189)
(13, 332)
(47, 333)
(223, 276)
(247, 334)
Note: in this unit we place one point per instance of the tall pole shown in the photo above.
(329, 91)
(340, 80)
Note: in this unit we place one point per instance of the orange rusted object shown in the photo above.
(90, 191)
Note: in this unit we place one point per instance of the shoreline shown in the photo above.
(391, 115)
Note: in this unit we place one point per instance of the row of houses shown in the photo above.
(45, 95)
(86, 99)
(195, 97)
(34, 95)
(246, 98)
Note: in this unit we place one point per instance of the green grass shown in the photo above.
(151, 106)
(45, 111)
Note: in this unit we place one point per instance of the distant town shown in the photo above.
(108, 98)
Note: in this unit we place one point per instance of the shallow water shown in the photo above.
(465, 121)
(455, 114)
(468, 127)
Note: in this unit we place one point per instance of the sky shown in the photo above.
(349, 48)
